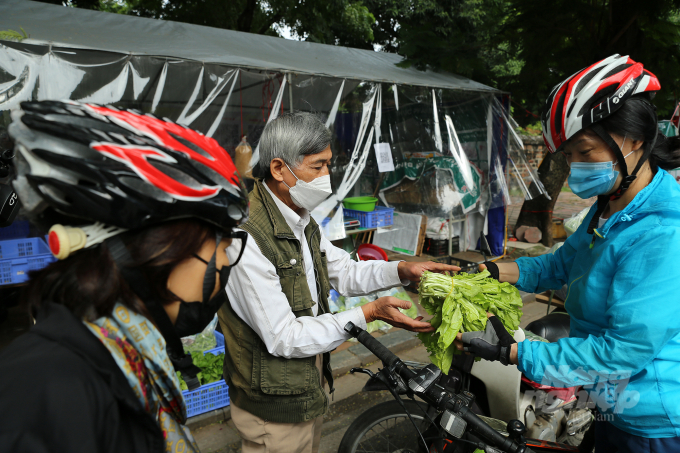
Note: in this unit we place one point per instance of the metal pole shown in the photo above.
(290, 93)
(451, 233)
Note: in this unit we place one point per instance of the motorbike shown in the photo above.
(478, 407)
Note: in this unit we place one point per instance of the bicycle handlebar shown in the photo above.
(389, 359)
(385, 355)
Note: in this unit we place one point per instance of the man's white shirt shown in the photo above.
(255, 293)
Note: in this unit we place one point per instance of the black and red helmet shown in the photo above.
(121, 167)
(591, 95)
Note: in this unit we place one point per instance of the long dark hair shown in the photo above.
(637, 120)
(89, 283)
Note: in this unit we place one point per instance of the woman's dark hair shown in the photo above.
(89, 283)
(637, 120)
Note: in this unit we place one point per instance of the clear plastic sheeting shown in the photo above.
(498, 185)
(523, 179)
(455, 152)
(438, 172)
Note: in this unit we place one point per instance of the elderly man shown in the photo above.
(277, 326)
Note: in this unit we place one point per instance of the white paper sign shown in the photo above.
(383, 154)
(403, 237)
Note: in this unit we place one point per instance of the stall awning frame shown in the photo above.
(86, 29)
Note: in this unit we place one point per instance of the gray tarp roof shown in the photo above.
(85, 29)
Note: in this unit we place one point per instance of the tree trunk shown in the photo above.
(552, 172)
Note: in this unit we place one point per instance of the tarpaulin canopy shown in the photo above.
(447, 138)
(85, 29)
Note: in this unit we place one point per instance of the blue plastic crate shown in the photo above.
(18, 229)
(210, 396)
(19, 256)
(379, 217)
(206, 398)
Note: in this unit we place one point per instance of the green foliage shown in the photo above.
(458, 36)
(11, 35)
(534, 129)
(182, 384)
(210, 365)
(459, 303)
(557, 38)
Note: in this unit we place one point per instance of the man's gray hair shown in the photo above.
(291, 137)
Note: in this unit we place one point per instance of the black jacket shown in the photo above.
(61, 391)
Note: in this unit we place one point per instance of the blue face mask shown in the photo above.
(588, 179)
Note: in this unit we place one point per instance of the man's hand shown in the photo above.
(387, 309)
(413, 271)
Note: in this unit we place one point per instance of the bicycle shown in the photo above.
(443, 422)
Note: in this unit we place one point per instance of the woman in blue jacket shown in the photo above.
(622, 265)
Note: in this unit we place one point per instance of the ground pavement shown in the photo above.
(218, 434)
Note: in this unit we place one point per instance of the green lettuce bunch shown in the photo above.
(459, 303)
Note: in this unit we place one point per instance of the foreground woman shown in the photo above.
(155, 204)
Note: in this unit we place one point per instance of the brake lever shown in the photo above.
(362, 370)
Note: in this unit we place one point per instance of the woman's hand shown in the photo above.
(387, 309)
(494, 343)
(503, 272)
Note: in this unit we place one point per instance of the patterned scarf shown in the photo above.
(139, 350)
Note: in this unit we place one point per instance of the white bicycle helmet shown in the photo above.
(591, 95)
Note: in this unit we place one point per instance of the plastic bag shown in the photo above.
(203, 341)
(437, 228)
(554, 248)
(573, 222)
(243, 155)
(333, 301)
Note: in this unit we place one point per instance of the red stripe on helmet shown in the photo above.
(621, 77)
(654, 84)
(136, 157)
(556, 116)
(160, 130)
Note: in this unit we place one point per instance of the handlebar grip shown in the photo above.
(373, 345)
(487, 432)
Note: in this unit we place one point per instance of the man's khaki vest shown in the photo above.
(274, 388)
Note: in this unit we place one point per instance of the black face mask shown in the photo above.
(193, 317)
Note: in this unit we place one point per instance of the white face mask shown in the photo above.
(309, 195)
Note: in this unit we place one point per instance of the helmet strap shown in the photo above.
(623, 168)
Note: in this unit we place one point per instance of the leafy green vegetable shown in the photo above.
(182, 384)
(210, 365)
(459, 303)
